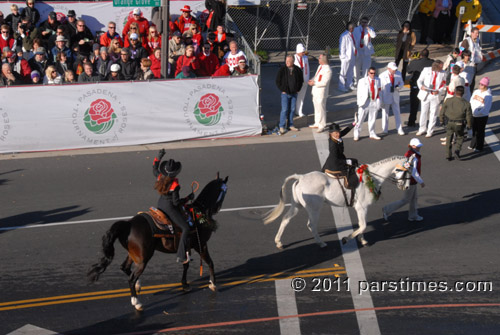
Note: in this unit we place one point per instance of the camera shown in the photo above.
(24, 26)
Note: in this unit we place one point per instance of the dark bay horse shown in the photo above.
(136, 236)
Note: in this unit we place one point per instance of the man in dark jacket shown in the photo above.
(289, 81)
(459, 113)
(217, 13)
(128, 67)
(416, 66)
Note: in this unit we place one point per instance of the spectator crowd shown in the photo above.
(37, 50)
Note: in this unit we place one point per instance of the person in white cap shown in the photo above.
(141, 22)
(320, 88)
(432, 82)
(368, 100)
(414, 165)
(348, 53)
(302, 61)
(391, 81)
(363, 35)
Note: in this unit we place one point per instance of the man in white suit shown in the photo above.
(363, 35)
(432, 82)
(391, 81)
(368, 102)
(348, 52)
(301, 60)
(320, 88)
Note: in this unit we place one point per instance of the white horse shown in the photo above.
(312, 189)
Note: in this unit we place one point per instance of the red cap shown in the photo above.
(186, 9)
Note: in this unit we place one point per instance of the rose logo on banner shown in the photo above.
(99, 117)
(208, 110)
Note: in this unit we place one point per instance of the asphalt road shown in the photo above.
(55, 207)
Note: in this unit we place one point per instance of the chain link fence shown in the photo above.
(279, 25)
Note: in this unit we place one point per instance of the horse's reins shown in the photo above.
(194, 187)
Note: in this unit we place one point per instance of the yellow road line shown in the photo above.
(109, 294)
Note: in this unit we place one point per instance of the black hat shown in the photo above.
(71, 13)
(53, 15)
(170, 168)
(334, 127)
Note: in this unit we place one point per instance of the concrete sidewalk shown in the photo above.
(339, 105)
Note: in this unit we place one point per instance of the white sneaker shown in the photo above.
(313, 126)
(443, 139)
(320, 130)
(428, 135)
(420, 133)
(416, 218)
(356, 139)
(375, 137)
(402, 133)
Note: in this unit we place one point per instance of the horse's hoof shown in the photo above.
(323, 245)
(186, 288)
(364, 243)
(138, 307)
(279, 246)
(212, 287)
(344, 240)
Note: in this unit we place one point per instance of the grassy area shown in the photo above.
(381, 50)
(263, 55)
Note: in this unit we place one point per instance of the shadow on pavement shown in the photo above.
(474, 207)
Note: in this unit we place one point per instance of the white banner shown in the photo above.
(98, 14)
(38, 118)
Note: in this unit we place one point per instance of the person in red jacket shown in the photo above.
(141, 22)
(6, 40)
(184, 21)
(19, 65)
(223, 71)
(110, 35)
(153, 40)
(156, 62)
(188, 59)
(209, 63)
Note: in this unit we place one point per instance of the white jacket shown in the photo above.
(347, 46)
(475, 49)
(322, 81)
(306, 70)
(367, 48)
(385, 93)
(480, 109)
(364, 92)
(425, 79)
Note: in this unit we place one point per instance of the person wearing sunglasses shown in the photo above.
(110, 35)
(368, 99)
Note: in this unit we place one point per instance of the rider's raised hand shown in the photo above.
(161, 153)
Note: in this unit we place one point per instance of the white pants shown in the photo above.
(429, 112)
(409, 197)
(319, 102)
(300, 99)
(385, 117)
(363, 63)
(346, 73)
(371, 111)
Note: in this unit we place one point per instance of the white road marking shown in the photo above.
(492, 141)
(43, 225)
(367, 320)
(31, 330)
(287, 305)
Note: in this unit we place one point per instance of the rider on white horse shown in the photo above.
(337, 163)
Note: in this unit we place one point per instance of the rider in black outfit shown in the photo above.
(170, 203)
(336, 161)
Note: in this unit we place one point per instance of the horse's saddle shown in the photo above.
(350, 181)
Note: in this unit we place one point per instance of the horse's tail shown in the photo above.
(108, 249)
(276, 212)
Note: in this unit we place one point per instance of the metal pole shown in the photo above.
(459, 22)
(165, 14)
(290, 19)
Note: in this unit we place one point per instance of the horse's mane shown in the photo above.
(387, 160)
